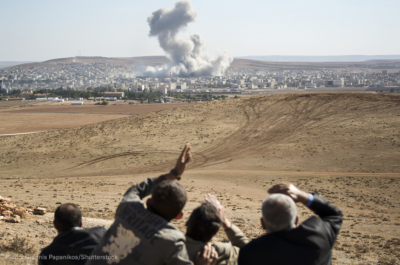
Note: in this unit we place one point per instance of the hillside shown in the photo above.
(343, 145)
(4, 64)
(331, 132)
(237, 63)
(125, 61)
(316, 58)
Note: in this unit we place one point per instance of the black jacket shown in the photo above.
(72, 246)
(309, 244)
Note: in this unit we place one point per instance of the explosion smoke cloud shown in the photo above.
(188, 57)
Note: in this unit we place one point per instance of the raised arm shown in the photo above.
(330, 214)
(235, 235)
(139, 191)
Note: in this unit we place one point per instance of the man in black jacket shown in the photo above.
(73, 244)
(309, 243)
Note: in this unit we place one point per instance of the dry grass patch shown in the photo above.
(18, 245)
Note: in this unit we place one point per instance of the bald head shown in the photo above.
(279, 212)
(67, 216)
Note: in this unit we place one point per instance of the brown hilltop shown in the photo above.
(334, 132)
(117, 61)
(236, 63)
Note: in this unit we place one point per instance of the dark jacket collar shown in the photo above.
(67, 232)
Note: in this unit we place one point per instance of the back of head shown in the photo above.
(279, 213)
(168, 199)
(67, 216)
(204, 222)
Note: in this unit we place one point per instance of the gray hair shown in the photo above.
(279, 212)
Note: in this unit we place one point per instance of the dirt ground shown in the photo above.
(15, 119)
(343, 145)
(114, 106)
(24, 122)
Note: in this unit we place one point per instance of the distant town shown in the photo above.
(116, 80)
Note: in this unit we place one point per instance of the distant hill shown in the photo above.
(237, 63)
(4, 64)
(259, 64)
(145, 60)
(57, 63)
(339, 58)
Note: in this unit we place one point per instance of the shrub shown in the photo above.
(105, 103)
(20, 246)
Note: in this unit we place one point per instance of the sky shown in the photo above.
(46, 29)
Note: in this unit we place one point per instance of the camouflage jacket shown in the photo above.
(139, 236)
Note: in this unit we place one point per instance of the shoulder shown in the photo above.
(170, 233)
(76, 237)
(252, 252)
(311, 221)
(261, 240)
(313, 225)
(126, 207)
(170, 240)
(98, 230)
(46, 250)
(219, 245)
(44, 254)
(223, 248)
(171, 243)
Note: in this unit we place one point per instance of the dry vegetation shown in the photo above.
(344, 145)
(13, 104)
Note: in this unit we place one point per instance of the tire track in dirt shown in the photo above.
(265, 125)
(267, 121)
(158, 167)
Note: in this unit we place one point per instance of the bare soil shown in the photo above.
(55, 117)
(32, 122)
(114, 107)
(343, 145)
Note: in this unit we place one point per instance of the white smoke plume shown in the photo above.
(188, 57)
